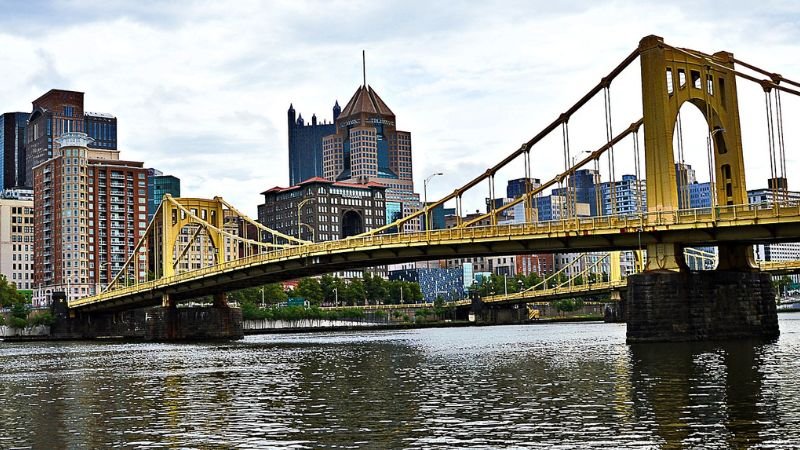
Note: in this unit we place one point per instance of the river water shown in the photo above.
(533, 386)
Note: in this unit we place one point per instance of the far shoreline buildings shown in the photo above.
(360, 147)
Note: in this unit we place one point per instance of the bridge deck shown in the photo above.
(741, 224)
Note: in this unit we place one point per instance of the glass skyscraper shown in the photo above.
(12, 145)
(305, 145)
(158, 185)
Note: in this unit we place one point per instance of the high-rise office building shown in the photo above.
(305, 144)
(102, 128)
(57, 112)
(159, 185)
(629, 196)
(518, 187)
(322, 210)
(12, 146)
(367, 147)
(581, 185)
(91, 209)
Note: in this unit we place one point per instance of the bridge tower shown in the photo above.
(667, 302)
(201, 216)
(669, 80)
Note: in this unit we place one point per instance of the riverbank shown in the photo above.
(355, 326)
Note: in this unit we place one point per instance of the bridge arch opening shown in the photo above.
(694, 156)
(695, 173)
(352, 224)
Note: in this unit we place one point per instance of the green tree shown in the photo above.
(412, 291)
(374, 288)
(331, 288)
(393, 289)
(274, 293)
(355, 293)
(8, 293)
(532, 280)
(310, 289)
(781, 284)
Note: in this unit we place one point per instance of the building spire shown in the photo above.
(364, 66)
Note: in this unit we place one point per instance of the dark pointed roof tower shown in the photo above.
(336, 110)
(366, 100)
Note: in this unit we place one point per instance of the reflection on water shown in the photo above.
(535, 386)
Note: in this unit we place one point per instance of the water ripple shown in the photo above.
(538, 386)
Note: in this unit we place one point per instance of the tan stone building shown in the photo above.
(16, 242)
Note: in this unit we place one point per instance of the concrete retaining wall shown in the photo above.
(254, 325)
(37, 331)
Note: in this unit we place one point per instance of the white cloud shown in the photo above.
(201, 88)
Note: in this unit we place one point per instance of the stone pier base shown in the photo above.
(171, 324)
(699, 306)
(154, 324)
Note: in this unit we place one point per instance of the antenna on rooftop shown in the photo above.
(364, 66)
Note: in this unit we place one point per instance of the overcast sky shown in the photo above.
(201, 88)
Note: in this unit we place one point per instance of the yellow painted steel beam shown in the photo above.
(744, 222)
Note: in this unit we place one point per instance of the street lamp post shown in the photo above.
(425, 199)
(336, 296)
(262, 297)
(311, 229)
(299, 222)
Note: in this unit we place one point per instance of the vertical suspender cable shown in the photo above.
(565, 139)
(712, 171)
(781, 147)
(683, 191)
(770, 141)
(637, 172)
(611, 162)
(526, 204)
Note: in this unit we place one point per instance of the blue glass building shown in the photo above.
(516, 188)
(102, 128)
(158, 185)
(447, 283)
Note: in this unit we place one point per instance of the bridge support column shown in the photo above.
(676, 306)
(220, 300)
(167, 301)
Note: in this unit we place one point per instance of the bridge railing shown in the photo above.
(601, 224)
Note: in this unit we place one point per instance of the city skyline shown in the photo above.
(471, 84)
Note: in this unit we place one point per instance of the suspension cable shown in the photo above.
(781, 147)
(526, 146)
(569, 200)
(558, 179)
(611, 163)
(771, 142)
(683, 193)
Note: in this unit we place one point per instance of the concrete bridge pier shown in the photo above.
(498, 314)
(197, 323)
(683, 305)
(161, 323)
